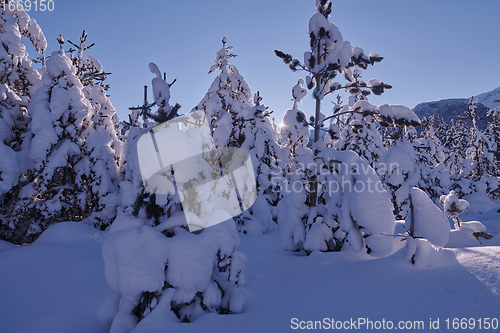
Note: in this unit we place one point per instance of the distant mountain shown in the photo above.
(451, 108)
(488, 99)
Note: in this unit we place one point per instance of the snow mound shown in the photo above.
(430, 222)
(6, 245)
(69, 233)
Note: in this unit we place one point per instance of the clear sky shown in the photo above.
(432, 49)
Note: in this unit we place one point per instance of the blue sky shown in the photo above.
(432, 49)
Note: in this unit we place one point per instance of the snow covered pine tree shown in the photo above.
(453, 206)
(327, 209)
(75, 174)
(18, 83)
(163, 271)
(102, 146)
(235, 123)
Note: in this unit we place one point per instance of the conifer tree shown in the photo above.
(15, 68)
(18, 82)
(102, 148)
(73, 151)
(235, 123)
(134, 198)
(480, 150)
(199, 272)
(427, 228)
(317, 218)
(254, 132)
(228, 97)
(478, 171)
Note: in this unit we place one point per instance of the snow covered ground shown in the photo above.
(57, 284)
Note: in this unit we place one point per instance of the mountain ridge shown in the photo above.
(450, 108)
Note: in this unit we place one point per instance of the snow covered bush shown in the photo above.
(353, 207)
(453, 206)
(427, 228)
(187, 274)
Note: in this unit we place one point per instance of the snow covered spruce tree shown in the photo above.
(478, 170)
(358, 132)
(493, 134)
(413, 160)
(254, 132)
(228, 97)
(16, 70)
(235, 123)
(74, 176)
(430, 158)
(134, 198)
(399, 173)
(327, 209)
(102, 148)
(60, 113)
(480, 149)
(163, 271)
(18, 82)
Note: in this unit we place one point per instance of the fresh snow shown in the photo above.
(57, 284)
(489, 99)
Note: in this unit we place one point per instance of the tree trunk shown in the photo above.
(412, 219)
(314, 190)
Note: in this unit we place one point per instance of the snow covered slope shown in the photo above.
(57, 285)
(451, 108)
(489, 99)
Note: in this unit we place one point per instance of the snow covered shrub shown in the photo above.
(414, 160)
(427, 228)
(189, 274)
(453, 206)
(235, 123)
